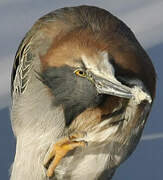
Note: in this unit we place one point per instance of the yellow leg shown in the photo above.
(59, 150)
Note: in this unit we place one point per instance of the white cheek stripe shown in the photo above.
(104, 69)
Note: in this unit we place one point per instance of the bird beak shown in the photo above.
(112, 87)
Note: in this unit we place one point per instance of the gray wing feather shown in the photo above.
(24, 59)
(21, 68)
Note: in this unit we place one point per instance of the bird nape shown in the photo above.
(82, 88)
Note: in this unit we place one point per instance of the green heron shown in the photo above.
(82, 88)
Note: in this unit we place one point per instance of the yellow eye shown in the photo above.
(80, 73)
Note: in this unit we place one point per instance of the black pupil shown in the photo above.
(81, 72)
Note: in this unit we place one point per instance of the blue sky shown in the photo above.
(144, 17)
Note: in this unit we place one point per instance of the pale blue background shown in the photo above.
(145, 17)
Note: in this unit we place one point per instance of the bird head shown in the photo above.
(82, 68)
